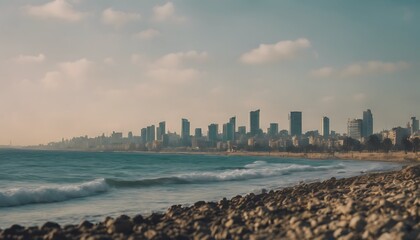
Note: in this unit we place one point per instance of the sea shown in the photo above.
(67, 186)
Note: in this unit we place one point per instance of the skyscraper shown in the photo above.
(228, 133)
(273, 130)
(143, 134)
(325, 127)
(162, 130)
(354, 128)
(198, 133)
(367, 127)
(150, 133)
(414, 125)
(232, 121)
(213, 132)
(295, 123)
(185, 132)
(254, 117)
(242, 130)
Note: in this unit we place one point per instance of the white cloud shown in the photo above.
(323, 72)
(166, 12)
(373, 67)
(118, 18)
(30, 58)
(70, 73)
(171, 67)
(58, 9)
(361, 69)
(147, 34)
(282, 50)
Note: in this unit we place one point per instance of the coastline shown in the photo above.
(372, 206)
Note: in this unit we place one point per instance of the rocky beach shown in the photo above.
(372, 206)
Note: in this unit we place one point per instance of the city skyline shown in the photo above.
(77, 67)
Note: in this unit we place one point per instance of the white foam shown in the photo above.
(47, 194)
(258, 169)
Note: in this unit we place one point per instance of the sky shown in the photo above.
(85, 67)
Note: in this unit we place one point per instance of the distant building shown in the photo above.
(367, 125)
(198, 133)
(130, 135)
(232, 121)
(325, 127)
(227, 132)
(398, 134)
(150, 134)
(295, 123)
(162, 131)
(414, 125)
(254, 117)
(273, 130)
(354, 128)
(143, 135)
(116, 135)
(213, 132)
(185, 132)
(242, 130)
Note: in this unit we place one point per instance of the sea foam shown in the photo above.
(255, 170)
(48, 194)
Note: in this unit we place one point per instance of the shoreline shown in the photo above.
(397, 156)
(381, 205)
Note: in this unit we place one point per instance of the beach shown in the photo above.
(371, 206)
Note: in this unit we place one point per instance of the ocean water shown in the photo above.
(68, 187)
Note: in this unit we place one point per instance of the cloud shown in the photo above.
(71, 73)
(56, 9)
(118, 18)
(323, 72)
(361, 69)
(282, 50)
(373, 67)
(166, 12)
(171, 68)
(30, 58)
(147, 34)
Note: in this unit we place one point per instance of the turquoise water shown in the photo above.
(66, 187)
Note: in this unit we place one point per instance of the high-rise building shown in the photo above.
(242, 130)
(414, 125)
(273, 130)
(130, 135)
(295, 123)
(367, 127)
(232, 121)
(354, 128)
(325, 127)
(143, 134)
(150, 133)
(162, 130)
(198, 133)
(185, 132)
(213, 132)
(254, 117)
(228, 133)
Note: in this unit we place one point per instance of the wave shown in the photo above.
(24, 196)
(258, 169)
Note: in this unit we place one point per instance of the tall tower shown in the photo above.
(185, 132)
(254, 117)
(295, 123)
(414, 125)
(232, 121)
(162, 130)
(367, 126)
(325, 127)
(354, 128)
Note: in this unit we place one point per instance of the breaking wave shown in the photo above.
(24, 196)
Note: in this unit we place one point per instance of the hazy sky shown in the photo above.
(86, 67)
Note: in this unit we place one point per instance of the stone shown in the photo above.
(50, 226)
(357, 223)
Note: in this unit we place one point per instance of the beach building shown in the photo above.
(295, 119)
(367, 125)
(254, 117)
(325, 127)
(354, 128)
